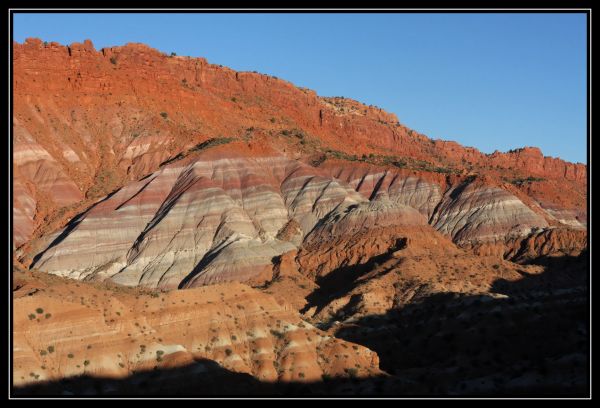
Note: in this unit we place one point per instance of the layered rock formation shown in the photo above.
(66, 330)
(202, 220)
(139, 173)
(86, 121)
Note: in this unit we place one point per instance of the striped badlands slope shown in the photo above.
(204, 220)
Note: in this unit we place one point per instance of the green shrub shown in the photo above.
(164, 115)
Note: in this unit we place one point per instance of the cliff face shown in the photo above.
(86, 121)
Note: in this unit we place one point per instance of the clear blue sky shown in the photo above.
(492, 81)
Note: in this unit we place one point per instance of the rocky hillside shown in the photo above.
(290, 221)
(87, 121)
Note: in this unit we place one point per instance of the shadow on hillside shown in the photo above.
(205, 378)
(530, 337)
(341, 280)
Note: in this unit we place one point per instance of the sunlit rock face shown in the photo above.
(473, 213)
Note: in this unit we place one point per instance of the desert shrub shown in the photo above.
(277, 334)
(352, 372)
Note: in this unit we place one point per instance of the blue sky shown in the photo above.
(491, 81)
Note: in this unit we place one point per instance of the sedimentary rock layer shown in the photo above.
(87, 121)
(204, 220)
(66, 330)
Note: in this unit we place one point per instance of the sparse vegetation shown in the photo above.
(352, 372)
(521, 181)
(277, 334)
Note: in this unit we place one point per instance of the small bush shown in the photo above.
(352, 372)
(50, 349)
(277, 334)
(86, 363)
(228, 352)
(70, 355)
(164, 115)
(39, 310)
(113, 60)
